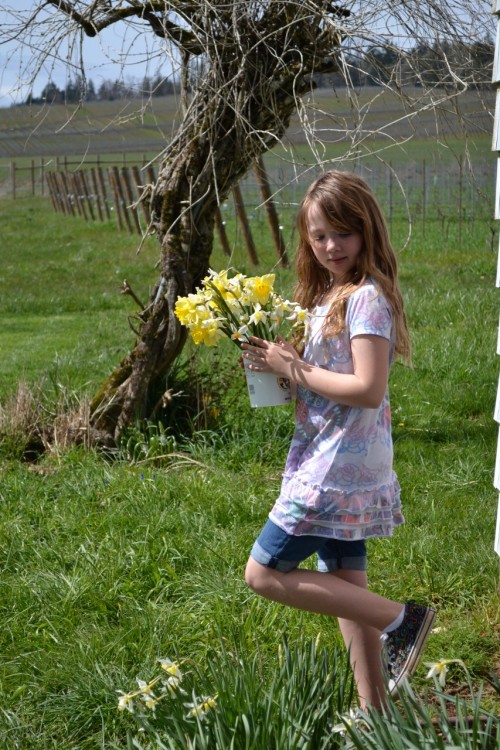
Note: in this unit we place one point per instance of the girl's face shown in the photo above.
(335, 251)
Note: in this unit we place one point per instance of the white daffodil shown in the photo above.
(171, 668)
(347, 720)
(241, 334)
(439, 669)
(144, 687)
(299, 315)
(124, 702)
(200, 709)
(173, 684)
(150, 701)
(258, 316)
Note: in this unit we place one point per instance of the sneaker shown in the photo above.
(403, 646)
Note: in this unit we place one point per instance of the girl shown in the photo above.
(339, 487)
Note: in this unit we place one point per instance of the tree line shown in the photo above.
(423, 65)
(79, 89)
(426, 64)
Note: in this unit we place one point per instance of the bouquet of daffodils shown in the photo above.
(239, 307)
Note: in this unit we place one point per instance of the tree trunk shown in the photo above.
(241, 109)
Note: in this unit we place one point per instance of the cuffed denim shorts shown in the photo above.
(275, 548)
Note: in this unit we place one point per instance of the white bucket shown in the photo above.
(266, 388)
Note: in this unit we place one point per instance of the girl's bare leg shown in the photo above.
(343, 594)
(322, 593)
(363, 642)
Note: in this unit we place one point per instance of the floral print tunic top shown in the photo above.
(338, 480)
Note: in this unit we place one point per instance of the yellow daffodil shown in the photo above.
(206, 332)
(219, 280)
(259, 288)
(237, 307)
(186, 308)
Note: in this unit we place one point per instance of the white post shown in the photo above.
(496, 147)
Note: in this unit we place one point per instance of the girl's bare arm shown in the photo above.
(365, 387)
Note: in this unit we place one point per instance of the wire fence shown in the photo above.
(457, 192)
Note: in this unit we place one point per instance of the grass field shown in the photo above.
(372, 118)
(110, 563)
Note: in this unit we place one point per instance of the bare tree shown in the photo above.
(255, 61)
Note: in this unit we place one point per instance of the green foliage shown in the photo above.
(443, 723)
(237, 703)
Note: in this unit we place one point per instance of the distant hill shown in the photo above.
(133, 126)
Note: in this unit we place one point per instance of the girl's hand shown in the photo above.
(270, 356)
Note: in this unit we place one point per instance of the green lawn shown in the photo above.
(110, 563)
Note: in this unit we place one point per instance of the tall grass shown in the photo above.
(112, 562)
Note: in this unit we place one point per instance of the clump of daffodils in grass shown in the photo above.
(149, 694)
(166, 685)
(237, 307)
(229, 701)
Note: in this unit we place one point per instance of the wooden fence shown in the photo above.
(21, 180)
(98, 194)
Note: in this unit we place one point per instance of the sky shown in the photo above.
(111, 44)
(102, 54)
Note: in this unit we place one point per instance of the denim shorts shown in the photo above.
(275, 548)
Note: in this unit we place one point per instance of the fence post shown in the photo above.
(140, 191)
(86, 194)
(247, 232)
(221, 229)
(53, 192)
(121, 195)
(13, 178)
(118, 197)
(130, 198)
(68, 197)
(102, 185)
(80, 201)
(272, 215)
(460, 197)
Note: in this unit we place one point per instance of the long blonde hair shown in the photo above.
(349, 204)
